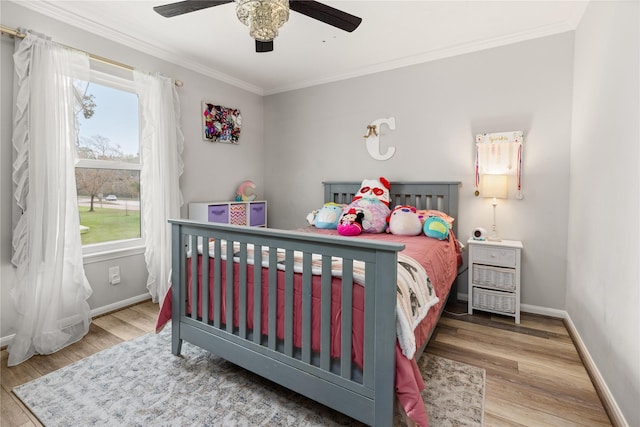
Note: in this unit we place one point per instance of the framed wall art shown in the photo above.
(220, 124)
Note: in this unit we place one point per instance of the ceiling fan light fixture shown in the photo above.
(263, 17)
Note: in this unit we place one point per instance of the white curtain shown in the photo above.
(51, 289)
(161, 145)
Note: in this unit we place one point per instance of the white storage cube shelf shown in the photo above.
(253, 214)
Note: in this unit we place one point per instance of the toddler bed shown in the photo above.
(301, 289)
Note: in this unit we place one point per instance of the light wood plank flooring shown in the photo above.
(534, 374)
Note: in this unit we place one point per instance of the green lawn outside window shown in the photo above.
(107, 225)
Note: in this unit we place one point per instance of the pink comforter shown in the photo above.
(440, 260)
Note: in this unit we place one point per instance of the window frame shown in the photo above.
(106, 250)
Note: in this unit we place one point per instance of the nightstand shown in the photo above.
(494, 276)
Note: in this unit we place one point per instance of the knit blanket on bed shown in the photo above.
(414, 292)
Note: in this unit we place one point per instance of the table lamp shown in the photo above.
(494, 186)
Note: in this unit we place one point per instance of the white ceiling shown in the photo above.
(307, 52)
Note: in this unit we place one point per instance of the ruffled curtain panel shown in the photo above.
(161, 148)
(51, 290)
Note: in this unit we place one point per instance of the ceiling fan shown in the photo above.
(264, 17)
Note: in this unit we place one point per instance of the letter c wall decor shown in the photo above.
(372, 139)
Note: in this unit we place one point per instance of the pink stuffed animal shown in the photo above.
(350, 223)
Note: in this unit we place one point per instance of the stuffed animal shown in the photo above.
(329, 216)
(374, 189)
(373, 200)
(404, 221)
(375, 214)
(350, 223)
(436, 227)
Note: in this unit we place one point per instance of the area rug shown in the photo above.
(140, 383)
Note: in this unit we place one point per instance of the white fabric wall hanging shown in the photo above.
(499, 154)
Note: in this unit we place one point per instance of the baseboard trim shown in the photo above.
(544, 311)
(608, 401)
(119, 305)
(5, 341)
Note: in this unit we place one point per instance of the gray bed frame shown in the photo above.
(367, 396)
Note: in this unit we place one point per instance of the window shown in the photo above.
(108, 168)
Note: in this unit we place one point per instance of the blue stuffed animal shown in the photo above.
(436, 227)
(329, 216)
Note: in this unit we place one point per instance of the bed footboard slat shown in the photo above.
(194, 283)
(325, 317)
(217, 284)
(288, 303)
(229, 288)
(204, 300)
(242, 292)
(273, 294)
(346, 321)
(257, 293)
(306, 307)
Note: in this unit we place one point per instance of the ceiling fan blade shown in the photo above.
(264, 46)
(327, 14)
(182, 7)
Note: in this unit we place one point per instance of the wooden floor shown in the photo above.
(534, 374)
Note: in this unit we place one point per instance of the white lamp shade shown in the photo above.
(494, 186)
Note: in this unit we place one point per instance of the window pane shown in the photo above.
(109, 204)
(108, 174)
(108, 125)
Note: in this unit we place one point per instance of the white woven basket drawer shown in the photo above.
(494, 277)
(494, 300)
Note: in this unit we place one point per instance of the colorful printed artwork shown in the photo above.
(221, 124)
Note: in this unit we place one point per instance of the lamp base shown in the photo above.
(494, 238)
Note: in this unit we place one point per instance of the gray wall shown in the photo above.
(316, 134)
(212, 171)
(603, 291)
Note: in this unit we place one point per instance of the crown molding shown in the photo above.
(433, 55)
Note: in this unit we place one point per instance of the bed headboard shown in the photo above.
(442, 196)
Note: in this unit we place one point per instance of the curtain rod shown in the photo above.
(16, 33)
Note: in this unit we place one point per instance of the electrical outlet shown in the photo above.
(114, 275)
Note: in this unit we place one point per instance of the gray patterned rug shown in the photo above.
(140, 383)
